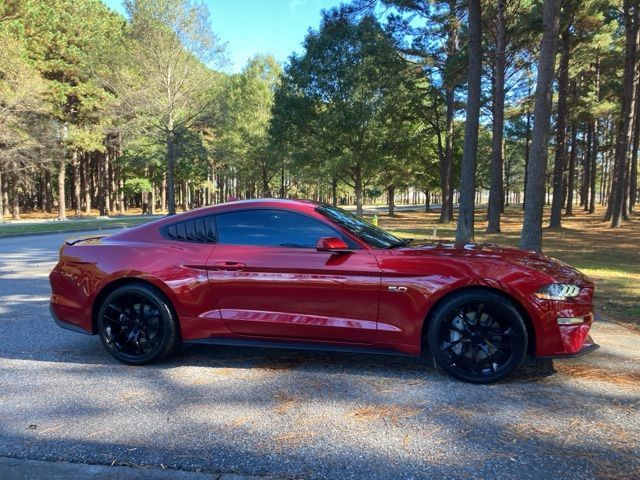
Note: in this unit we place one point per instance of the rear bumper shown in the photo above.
(66, 325)
(587, 347)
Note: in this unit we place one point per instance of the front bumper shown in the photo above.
(587, 347)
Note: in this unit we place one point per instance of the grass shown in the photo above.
(609, 256)
(19, 228)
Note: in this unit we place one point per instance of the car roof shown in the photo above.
(288, 204)
(292, 204)
(259, 201)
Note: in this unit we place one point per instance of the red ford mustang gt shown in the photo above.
(299, 274)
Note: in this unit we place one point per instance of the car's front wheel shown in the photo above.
(477, 336)
(136, 324)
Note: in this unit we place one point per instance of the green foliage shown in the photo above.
(242, 140)
(363, 107)
(337, 106)
(137, 185)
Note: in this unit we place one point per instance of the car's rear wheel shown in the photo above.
(477, 336)
(136, 324)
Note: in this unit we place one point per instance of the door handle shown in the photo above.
(229, 266)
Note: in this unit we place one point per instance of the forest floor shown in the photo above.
(609, 256)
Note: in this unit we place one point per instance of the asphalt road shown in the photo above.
(298, 414)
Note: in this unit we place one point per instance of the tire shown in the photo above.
(477, 336)
(136, 324)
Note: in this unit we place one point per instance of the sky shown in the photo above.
(250, 27)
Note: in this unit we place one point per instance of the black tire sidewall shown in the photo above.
(169, 330)
(460, 299)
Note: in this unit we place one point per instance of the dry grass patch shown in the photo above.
(565, 439)
(461, 412)
(391, 413)
(292, 439)
(284, 403)
(598, 374)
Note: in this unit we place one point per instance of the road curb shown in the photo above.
(24, 469)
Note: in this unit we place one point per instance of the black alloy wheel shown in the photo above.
(477, 336)
(136, 324)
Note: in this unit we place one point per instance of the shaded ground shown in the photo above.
(300, 414)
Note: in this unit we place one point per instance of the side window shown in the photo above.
(271, 228)
(201, 229)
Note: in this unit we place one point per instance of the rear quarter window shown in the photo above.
(199, 229)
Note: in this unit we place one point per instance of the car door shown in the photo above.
(270, 281)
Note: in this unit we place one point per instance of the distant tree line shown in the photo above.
(532, 101)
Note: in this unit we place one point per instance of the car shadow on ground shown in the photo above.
(49, 343)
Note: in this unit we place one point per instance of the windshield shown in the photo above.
(372, 235)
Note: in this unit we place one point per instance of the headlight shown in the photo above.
(558, 291)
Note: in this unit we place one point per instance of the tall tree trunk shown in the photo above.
(358, 189)
(334, 191)
(266, 190)
(171, 158)
(76, 181)
(87, 183)
(531, 237)
(593, 167)
(496, 199)
(625, 199)
(465, 227)
(616, 199)
(106, 183)
(62, 214)
(572, 170)
(561, 130)
(507, 183)
(121, 201)
(446, 166)
(5, 196)
(1, 198)
(15, 194)
(633, 179)
(586, 169)
(102, 186)
(113, 199)
(391, 193)
(164, 193)
(527, 150)
(594, 144)
(282, 186)
(152, 200)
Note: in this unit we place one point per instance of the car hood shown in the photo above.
(557, 270)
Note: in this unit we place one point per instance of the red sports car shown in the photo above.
(299, 274)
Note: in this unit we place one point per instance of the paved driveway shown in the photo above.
(298, 414)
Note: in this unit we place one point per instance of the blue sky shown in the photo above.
(249, 27)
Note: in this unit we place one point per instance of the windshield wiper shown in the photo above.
(400, 243)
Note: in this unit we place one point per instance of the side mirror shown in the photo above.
(333, 244)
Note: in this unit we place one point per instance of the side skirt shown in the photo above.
(234, 342)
